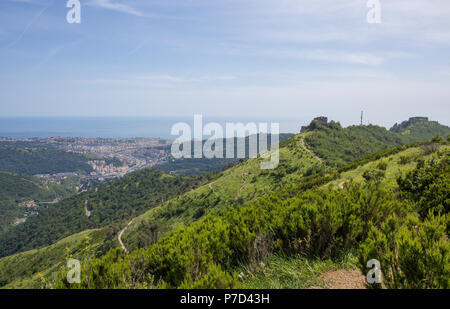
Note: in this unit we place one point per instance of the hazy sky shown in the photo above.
(247, 58)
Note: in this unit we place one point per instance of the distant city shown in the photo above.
(112, 157)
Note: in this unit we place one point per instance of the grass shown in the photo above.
(292, 273)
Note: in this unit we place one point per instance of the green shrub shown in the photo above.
(430, 148)
(214, 278)
(412, 254)
(317, 223)
(437, 139)
(428, 185)
(373, 176)
(404, 160)
(382, 165)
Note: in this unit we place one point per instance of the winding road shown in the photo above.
(119, 237)
(88, 213)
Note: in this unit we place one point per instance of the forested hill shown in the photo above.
(236, 187)
(420, 128)
(337, 145)
(317, 150)
(330, 145)
(32, 161)
(197, 166)
(17, 189)
(401, 200)
(122, 198)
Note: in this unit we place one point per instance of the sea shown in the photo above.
(119, 127)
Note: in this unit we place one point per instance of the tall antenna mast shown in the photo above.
(362, 112)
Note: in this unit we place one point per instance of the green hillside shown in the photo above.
(420, 128)
(28, 269)
(301, 168)
(396, 168)
(358, 168)
(316, 150)
(16, 190)
(34, 161)
(196, 166)
(314, 223)
(337, 145)
(98, 207)
(243, 182)
(236, 186)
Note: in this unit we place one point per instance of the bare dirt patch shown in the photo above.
(343, 279)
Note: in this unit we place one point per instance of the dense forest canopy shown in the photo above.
(337, 145)
(18, 189)
(197, 166)
(117, 200)
(420, 128)
(32, 161)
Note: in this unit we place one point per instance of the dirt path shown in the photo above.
(119, 237)
(242, 187)
(88, 213)
(210, 186)
(343, 279)
(309, 151)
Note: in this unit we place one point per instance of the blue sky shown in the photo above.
(279, 59)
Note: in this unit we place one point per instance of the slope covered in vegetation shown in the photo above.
(117, 200)
(284, 197)
(196, 166)
(17, 189)
(420, 128)
(319, 222)
(235, 186)
(337, 145)
(28, 269)
(239, 185)
(41, 161)
(246, 184)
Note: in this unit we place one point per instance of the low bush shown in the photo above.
(412, 254)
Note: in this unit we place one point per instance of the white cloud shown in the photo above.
(335, 21)
(345, 57)
(144, 79)
(39, 2)
(324, 55)
(438, 37)
(115, 6)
